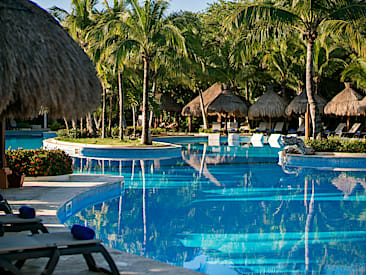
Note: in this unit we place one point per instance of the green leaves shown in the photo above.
(35, 163)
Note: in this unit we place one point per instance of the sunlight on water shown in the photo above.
(233, 210)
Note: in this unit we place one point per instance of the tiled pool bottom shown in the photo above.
(234, 211)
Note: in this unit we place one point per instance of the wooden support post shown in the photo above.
(4, 172)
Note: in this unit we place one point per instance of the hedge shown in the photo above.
(335, 144)
(39, 162)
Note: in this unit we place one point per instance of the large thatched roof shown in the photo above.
(299, 104)
(346, 103)
(168, 104)
(228, 103)
(362, 106)
(217, 99)
(41, 65)
(269, 105)
(193, 108)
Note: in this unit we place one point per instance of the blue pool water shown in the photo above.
(233, 210)
(22, 141)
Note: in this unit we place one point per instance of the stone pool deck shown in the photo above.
(47, 198)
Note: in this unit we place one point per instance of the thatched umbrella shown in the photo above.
(362, 106)
(346, 103)
(346, 184)
(228, 103)
(299, 104)
(41, 65)
(193, 108)
(217, 100)
(269, 105)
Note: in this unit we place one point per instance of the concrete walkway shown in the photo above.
(47, 197)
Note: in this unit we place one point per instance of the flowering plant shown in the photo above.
(39, 162)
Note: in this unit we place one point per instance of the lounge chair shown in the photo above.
(14, 223)
(53, 245)
(216, 127)
(263, 127)
(354, 131)
(5, 206)
(279, 127)
(339, 129)
(300, 131)
(232, 127)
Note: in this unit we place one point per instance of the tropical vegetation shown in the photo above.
(141, 50)
(39, 162)
(337, 144)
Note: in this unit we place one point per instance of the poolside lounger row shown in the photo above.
(52, 246)
(20, 248)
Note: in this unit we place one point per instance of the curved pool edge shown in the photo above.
(326, 161)
(48, 195)
(168, 150)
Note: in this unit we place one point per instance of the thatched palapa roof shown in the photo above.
(216, 99)
(346, 103)
(362, 106)
(299, 104)
(168, 104)
(269, 105)
(41, 65)
(228, 103)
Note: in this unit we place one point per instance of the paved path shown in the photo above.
(47, 198)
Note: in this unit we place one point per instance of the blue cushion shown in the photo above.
(82, 232)
(26, 212)
(1, 197)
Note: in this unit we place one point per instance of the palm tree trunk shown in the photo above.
(66, 124)
(103, 113)
(90, 125)
(120, 93)
(110, 115)
(145, 138)
(203, 111)
(134, 120)
(151, 111)
(314, 110)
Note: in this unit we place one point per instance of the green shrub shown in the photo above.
(39, 162)
(157, 131)
(55, 126)
(23, 125)
(129, 130)
(75, 133)
(334, 144)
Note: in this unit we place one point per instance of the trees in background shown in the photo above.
(145, 50)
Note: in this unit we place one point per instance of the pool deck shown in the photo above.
(47, 198)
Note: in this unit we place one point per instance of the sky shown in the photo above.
(175, 5)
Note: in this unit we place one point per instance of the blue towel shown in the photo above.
(26, 212)
(82, 232)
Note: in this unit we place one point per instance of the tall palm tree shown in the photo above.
(108, 37)
(309, 17)
(151, 32)
(78, 23)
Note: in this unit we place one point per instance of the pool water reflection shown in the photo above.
(233, 210)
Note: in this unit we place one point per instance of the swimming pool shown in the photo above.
(233, 210)
(22, 141)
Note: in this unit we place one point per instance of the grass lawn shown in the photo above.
(106, 141)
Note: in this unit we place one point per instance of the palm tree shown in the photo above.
(309, 17)
(151, 33)
(108, 38)
(78, 23)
